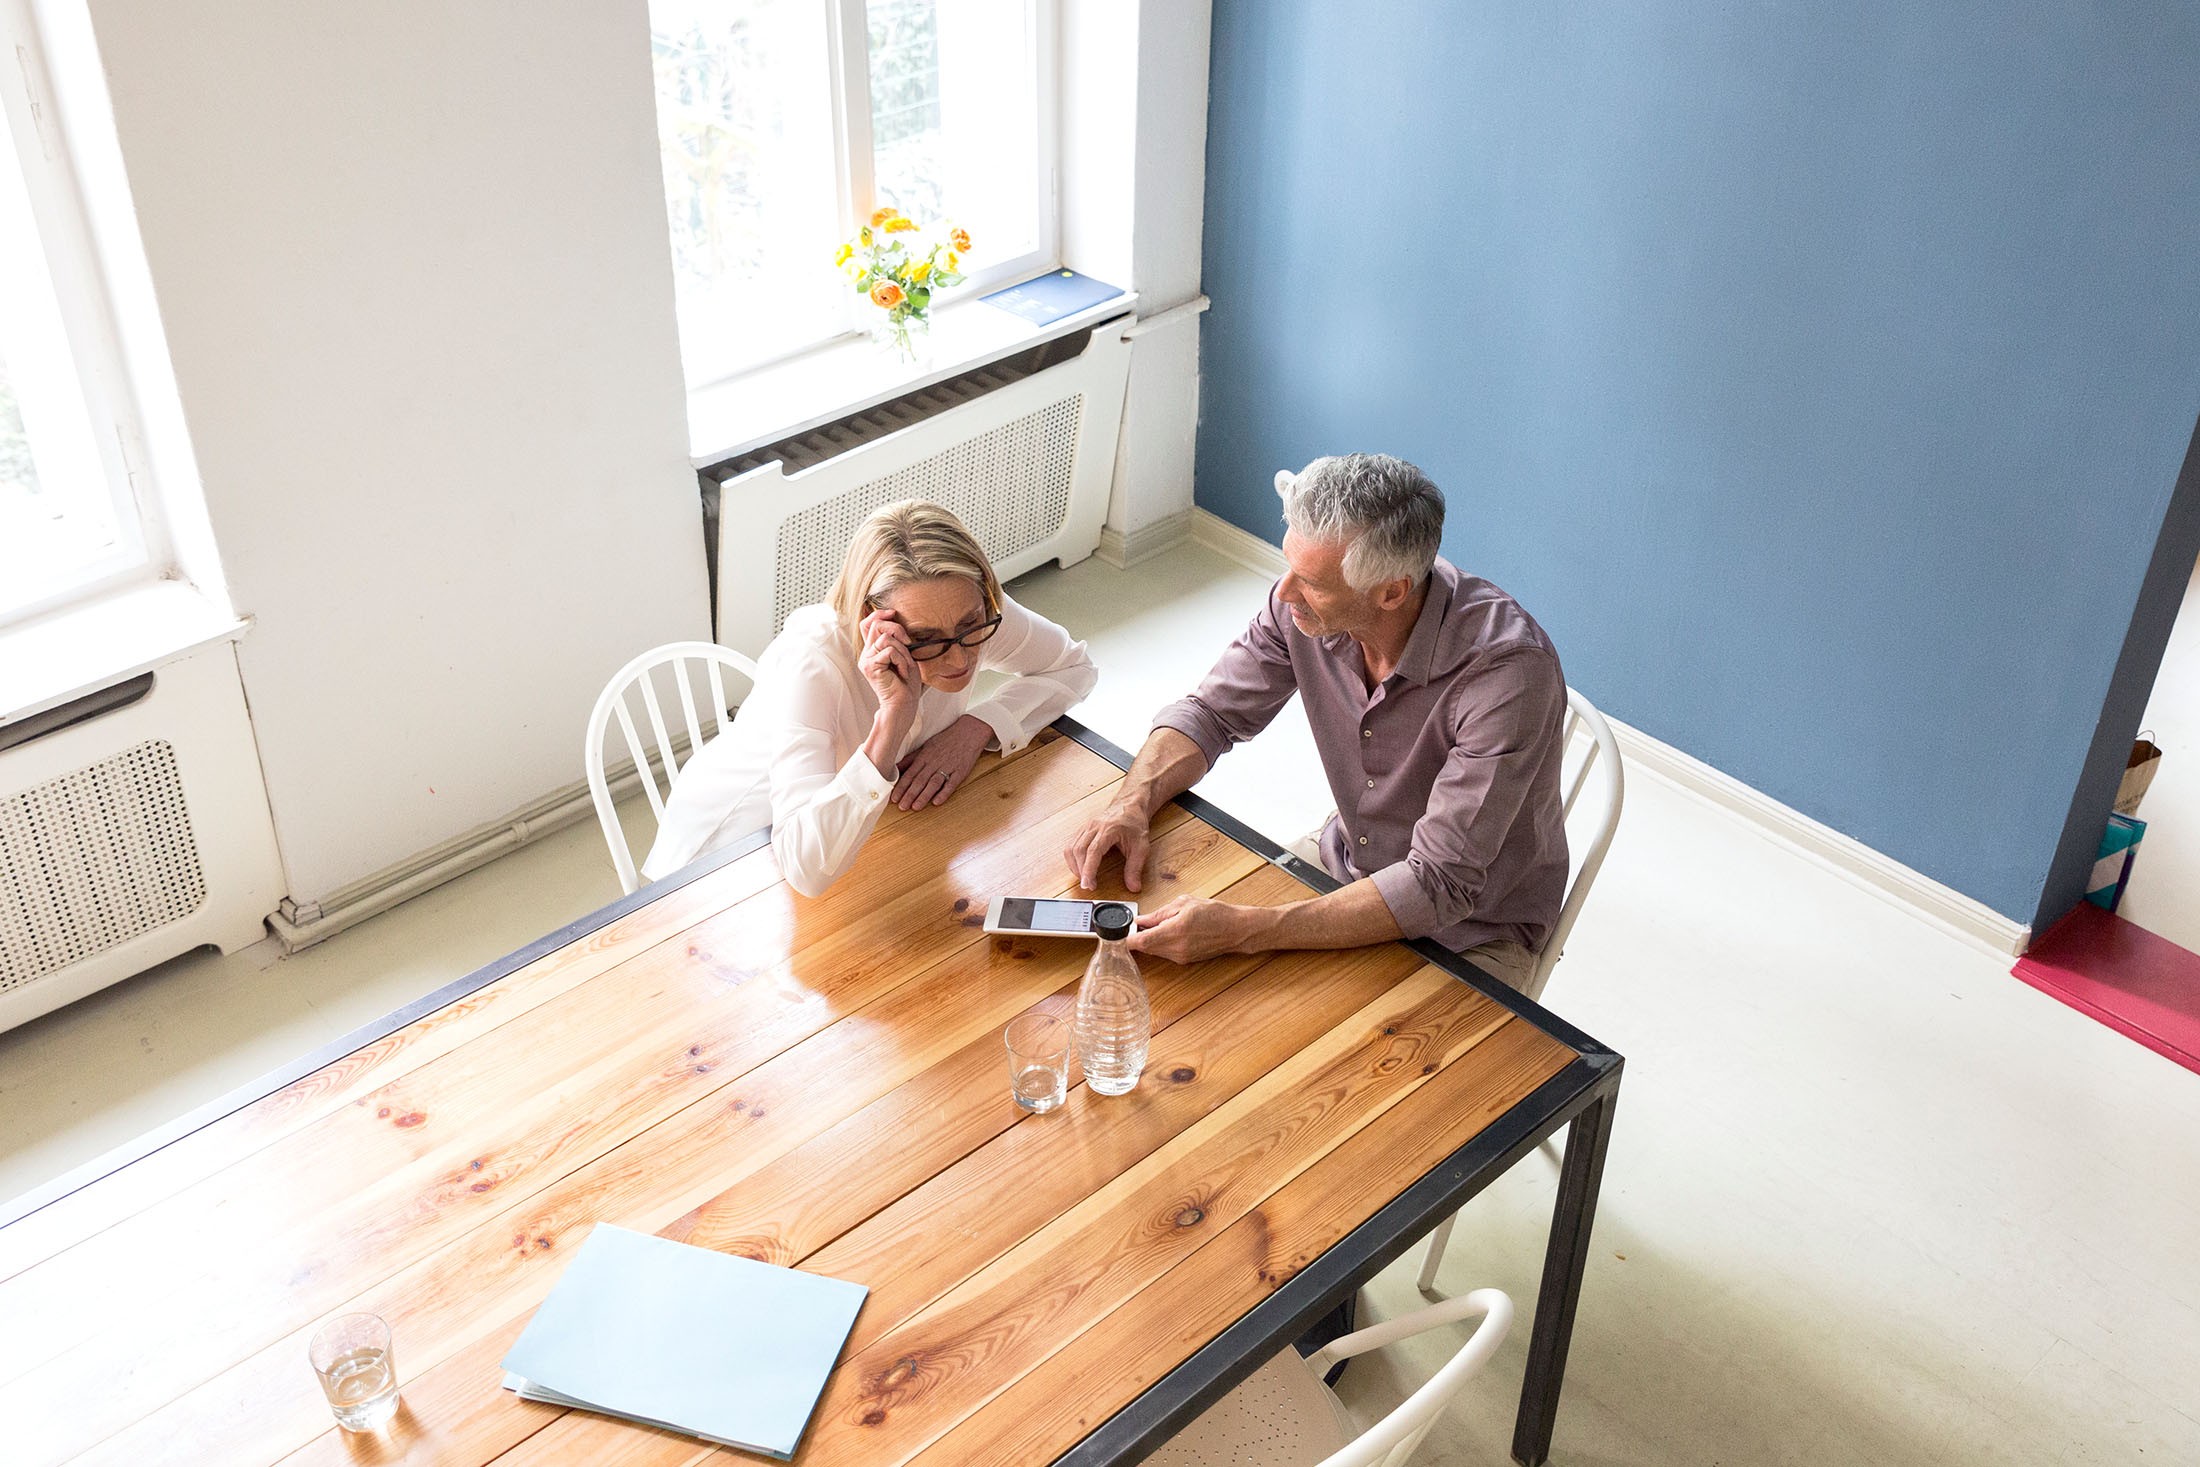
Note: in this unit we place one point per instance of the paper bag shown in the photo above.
(2146, 757)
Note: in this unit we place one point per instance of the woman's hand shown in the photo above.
(887, 666)
(892, 673)
(937, 768)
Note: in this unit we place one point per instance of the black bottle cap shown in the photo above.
(1112, 920)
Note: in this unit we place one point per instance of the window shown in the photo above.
(784, 123)
(68, 523)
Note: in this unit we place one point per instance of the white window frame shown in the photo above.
(847, 32)
(64, 229)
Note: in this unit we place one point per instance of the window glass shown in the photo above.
(759, 187)
(746, 131)
(60, 522)
(954, 118)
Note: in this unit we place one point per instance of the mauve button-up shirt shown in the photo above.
(1446, 775)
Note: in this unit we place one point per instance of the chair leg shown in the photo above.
(1437, 1241)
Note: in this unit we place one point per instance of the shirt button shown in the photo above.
(1363, 840)
(1371, 784)
(1367, 733)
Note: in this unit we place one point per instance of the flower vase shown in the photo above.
(909, 339)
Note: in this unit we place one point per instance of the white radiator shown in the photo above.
(130, 836)
(1026, 463)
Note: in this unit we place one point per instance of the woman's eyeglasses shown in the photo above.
(933, 647)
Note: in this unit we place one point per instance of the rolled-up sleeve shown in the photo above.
(1505, 727)
(1050, 673)
(1242, 692)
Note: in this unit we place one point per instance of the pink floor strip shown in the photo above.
(2142, 986)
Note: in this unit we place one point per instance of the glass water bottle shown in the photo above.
(1114, 1018)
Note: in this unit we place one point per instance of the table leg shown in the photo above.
(1571, 1219)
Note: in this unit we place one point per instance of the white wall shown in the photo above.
(2164, 894)
(411, 261)
(1134, 164)
(1153, 481)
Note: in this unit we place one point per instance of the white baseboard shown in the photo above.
(1124, 551)
(1236, 545)
(300, 925)
(1943, 907)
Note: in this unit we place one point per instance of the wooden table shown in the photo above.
(817, 1083)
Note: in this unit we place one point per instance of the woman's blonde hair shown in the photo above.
(912, 540)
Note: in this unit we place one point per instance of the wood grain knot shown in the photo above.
(874, 1417)
(899, 1374)
(1191, 1217)
(409, 1119)
(973, 920)
(962, 904)
(476, 1165)
(483, 1186)
(1183, 1075)
(1390, 1028)
(694, 1050)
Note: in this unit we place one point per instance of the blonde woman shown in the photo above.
(866, 700)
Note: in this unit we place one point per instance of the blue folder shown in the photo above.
(706, 1344)
(1048, 298)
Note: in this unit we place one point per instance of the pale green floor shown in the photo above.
(1869, 1199)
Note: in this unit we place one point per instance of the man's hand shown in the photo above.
(1116, 828)
(936, 768)
(1191, 928)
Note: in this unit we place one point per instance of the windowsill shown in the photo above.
(80, 649)
(729, 418)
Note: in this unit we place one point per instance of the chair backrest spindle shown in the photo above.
(639, 676)
(1600, 777)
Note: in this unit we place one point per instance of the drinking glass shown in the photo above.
(1038, 1059)
(351, 1354)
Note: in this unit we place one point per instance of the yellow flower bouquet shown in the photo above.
(897, 266)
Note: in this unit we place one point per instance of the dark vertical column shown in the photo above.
(2160, 595)
(1572, 1217)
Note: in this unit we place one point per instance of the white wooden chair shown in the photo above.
(1283, 1416)
(678, 664)
(1594, 786)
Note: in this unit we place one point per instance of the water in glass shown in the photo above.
(362, 1389)
(1114, 1016)
(1040, 1088)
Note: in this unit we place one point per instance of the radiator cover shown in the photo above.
(1028, 465)
(131, 837)
(93, 859)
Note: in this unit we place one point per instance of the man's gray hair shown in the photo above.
(1388, 513)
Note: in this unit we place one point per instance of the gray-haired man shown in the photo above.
(1437, 704)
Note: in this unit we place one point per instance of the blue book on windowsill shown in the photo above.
(706, 1344)
(1048, 298)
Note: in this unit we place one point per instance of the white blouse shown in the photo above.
(794, 760)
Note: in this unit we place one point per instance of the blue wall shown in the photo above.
(1819, 376)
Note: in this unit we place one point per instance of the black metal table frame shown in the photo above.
(1580, 1097)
